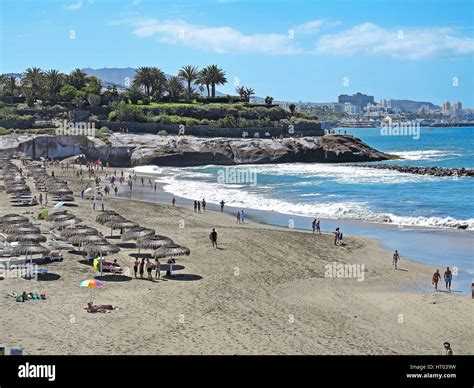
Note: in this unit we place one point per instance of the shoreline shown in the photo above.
(266, 291)
(430, 246)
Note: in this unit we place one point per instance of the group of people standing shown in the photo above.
(197, 206)
(141, 266)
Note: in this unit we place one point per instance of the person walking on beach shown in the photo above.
(318, 227)
(149, 182)
(238, 217)
(157, 268)
(116, 190)
(149, 267)
(135, 266)
(195, 206)
(142, 268)
(448, 277)
(199, 206)
(173, 201)
(449, 350)
(155, 187)
(203, 205)
(222, 206)
(213, 237)
(396, 259)
(436, 279)
(242, 216)
(313, 225)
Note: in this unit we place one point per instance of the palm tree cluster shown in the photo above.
(51, 86)
(154, 84)
(149, 84)
(245, 93)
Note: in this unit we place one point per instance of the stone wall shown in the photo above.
(207, 131)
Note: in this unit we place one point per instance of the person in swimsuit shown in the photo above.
(449, 350)
(149, 268)
(213, 237)
(222, 206)
(396, 259)
(436, 279)
(318, 227)
(336, 236)
(142, 268)
(313, 225)
(448, 277)
(203, 205)
(238, 217)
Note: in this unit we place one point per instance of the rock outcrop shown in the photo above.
(147, 149)
(435, 171)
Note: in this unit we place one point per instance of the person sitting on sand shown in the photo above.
(448, 277)
(396, 259)
(149, 268)
(449, 350)
(337, 234)
(436, 279)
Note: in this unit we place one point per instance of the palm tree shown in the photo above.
(245, 93)
(190, 74)
(217, 77)
(159, 81)
(33, 79)
(54, 80)
(77, 78)
(9, 85)
(151, 79)
(175, 87)
(205, 79)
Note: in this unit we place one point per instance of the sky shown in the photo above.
(291, 50)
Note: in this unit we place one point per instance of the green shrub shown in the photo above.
(163, 133)
(113, 116)
(4, 131)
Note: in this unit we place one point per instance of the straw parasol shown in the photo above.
(26, 237)
(12, 229)
(108, 216)
(121, 224)
(13, 218)
(59, 216)
(136, 233)
(66, 223)
(101, 249)
(18, 189)
(30, 250)
(153, 242)
(60, 191)
(79, 230)
(79, 239)
(171, 250)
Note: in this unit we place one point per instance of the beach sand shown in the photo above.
(263, 292)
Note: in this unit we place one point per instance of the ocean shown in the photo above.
(387, 204)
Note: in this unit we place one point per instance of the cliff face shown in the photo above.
(133, 150)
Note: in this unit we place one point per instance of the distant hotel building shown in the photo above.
(360, 100)
(452, 110)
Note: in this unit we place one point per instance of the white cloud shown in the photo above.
(410, 43)
(362, 39)
(314, 26)
(74, 6)
(218, 39)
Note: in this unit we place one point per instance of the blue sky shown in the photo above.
(291, 50)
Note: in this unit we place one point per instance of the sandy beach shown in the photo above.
(263, 292)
